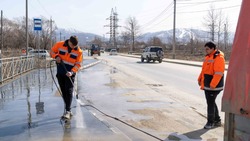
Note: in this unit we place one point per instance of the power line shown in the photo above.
(204, 2)
(153, 25)
(158, 16)
(186, 12)
(43, 8)
(188, 5)
(51, 14)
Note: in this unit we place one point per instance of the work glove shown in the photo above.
(69, 73)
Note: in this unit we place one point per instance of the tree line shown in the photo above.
(214, 21)
(14, 37)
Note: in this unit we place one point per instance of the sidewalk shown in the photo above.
(31, 108)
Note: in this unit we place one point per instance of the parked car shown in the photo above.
(152, 53)
(131, 52)
(102, 50)
(23, 51)
(113, 52)
(39, 53)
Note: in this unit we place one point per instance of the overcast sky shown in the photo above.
(152, 15)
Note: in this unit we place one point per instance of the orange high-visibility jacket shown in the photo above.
(212, 73)
(71, 60)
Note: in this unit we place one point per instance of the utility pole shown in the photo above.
(174, 42)
(113, 26)
(1, 47)
(60, 35)
(1, 32)
(225, 36)
(27, 35)
(51, 22)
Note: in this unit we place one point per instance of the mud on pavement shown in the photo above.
(149, 105)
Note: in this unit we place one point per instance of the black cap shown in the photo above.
(73, 40)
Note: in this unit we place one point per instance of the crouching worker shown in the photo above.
(68, 59)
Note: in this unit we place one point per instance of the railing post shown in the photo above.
(1, 68)
(21, 65)
(26, 64)
(12, 65)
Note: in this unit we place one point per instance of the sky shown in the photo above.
(152, 15)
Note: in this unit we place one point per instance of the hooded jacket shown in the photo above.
(72, 58)
(212, 73)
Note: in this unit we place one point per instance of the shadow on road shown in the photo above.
(139, 62)
(193, 135)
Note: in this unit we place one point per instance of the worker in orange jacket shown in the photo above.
(211, 80)
(68, 57)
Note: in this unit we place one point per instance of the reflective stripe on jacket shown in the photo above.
(212, 73)
(72, 59)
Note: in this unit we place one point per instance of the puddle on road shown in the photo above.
(22, 100)
(142, 101)
(112, 83)
(113, 70)
(31, 103)
(32, 83)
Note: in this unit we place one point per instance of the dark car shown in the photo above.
(95, 49)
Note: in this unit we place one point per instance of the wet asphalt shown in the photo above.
(31, 109)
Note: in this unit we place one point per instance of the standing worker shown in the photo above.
(211, 80)
(68, 58)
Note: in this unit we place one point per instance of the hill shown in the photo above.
(182, 35)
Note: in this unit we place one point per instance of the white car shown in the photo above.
(154, 53)
(40, 53)
(102, 50)
(113, 52)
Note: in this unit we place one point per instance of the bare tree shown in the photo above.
(21, 32)
(10, 34)
(14, 34)
(132, 28)
(216, 23)
(220, 22)
(155, 41)
(226, 34)
(45, 33)
(210, 22)
(125, 38)
(97, 40)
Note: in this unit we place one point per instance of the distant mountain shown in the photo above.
(82, 36)
(182, 35)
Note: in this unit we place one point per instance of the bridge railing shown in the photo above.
(11, 67)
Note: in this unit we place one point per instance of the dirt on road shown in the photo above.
(167, 112)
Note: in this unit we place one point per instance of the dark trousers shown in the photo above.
(212, 109)
(66, 87)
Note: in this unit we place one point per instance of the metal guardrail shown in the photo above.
(11, 67)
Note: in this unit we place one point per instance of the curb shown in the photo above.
(182, 62)
(90, 65)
